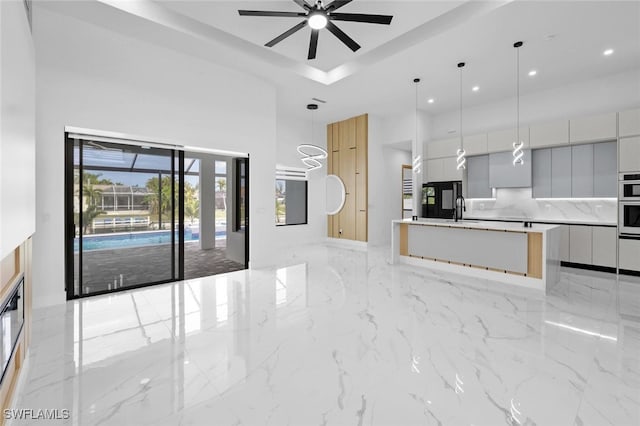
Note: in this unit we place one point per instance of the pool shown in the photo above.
(135, 239)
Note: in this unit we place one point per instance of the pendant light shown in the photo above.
(460, 154)
(417, 159)
(312, 154)
(518, 154)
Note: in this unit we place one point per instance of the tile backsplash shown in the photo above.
(517, 203)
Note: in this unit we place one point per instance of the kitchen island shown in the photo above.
(501, 251)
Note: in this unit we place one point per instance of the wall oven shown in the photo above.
(629, 221)
(630, 187)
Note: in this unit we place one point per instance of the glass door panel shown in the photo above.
(126, 226)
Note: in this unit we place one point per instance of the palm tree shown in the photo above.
(222, 187)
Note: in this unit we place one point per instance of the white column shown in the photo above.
(207, 204)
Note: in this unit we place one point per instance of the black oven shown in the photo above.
(629, 221)
(630, 187)
(11, 322)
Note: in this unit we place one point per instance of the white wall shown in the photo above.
(611, 93)
(292, 131)
(17, 127)
(385, 177)
(90, 77)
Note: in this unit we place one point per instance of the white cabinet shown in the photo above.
(630, 154)
(442, 169)
(580, 244)
(593, 128)
(442, 148)
(503, 140)
(629, 256)
(475, 144)
(629, 123)
(449, 169)
(564, 243)
(604, 246)
(549, 134)
(434, 170)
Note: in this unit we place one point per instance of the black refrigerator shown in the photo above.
(439, 199)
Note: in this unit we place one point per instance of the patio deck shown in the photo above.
(125, 267)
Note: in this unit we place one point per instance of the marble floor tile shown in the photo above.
(342, 337)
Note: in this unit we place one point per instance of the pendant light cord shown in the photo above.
(416, 121)
(461, 139)
(518, 94)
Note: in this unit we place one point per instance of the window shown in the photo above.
(291, 202)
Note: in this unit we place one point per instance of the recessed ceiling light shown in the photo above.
(608, 52)
(431, 100)
(532, 73)
(475, 88)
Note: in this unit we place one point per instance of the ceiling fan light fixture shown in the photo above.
(317, 20)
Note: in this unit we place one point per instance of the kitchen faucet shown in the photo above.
(459, 207)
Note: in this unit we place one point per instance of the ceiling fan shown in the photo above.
(319, 16)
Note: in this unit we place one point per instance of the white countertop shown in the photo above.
(559, 221)
(479, 224)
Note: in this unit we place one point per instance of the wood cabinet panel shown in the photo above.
(348, 218)
(361, 225)
(361, 193)
(335, 133)
(362, 130)
(348, 170)
(330, 137)
(349, 161)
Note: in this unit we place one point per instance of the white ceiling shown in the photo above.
(426, 39)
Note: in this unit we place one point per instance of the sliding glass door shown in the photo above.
(126, 217)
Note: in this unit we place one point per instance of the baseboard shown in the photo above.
(589, 267)
(339, 242)
(629, 272)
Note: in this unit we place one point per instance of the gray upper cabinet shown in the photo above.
(582, 171)
(578, 171)
(541, 159)
(605, 179)
(503, 174)
(478, 177)
(561, 172)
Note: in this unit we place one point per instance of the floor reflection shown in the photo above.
(343, 337)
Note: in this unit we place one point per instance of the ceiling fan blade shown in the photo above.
(342, 36)
(287, 33)
(303, 4)
(270, 13)
(313, 44)
(337, 4)
(362, 17)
